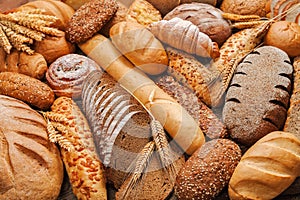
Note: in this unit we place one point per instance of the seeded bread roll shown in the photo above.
(208, 170)
(30, 165)
(252, 112)
(27, 89)
(267, 168)
(89, 19)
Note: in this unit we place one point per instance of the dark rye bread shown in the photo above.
(100, 89)
(30, 165)
(208, 171)
(209, 123)
(258, 97)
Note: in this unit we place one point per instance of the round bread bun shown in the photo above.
(285, 36)
(164, 6)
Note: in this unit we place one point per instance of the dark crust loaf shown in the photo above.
(206, 17)
(30, 165)
(252, 112)
(292, 124)
(207, 172)
(89, 19)
(209, 123)
(27, 89)
(66, 74)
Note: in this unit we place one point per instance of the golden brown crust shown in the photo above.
(245, 7)
(27, 89)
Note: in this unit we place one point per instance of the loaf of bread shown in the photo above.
(164, 6)
(175, 119)
(85, 171)
(252, 112)
(56, 8)
(34, 65)
(67, 73)
(27, 89)
(286, 36)
(143, 12)
(48, 47)
(267, 168)
(244, 7)
(207, 172)
(206, 17)
(140, 46)
(108, 105)
(278, 8)
(75, 4)
(184, 35)
(30, 165)
(292, 124)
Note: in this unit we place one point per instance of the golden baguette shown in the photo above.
(73, 134)
(175, 119)
(266, 169)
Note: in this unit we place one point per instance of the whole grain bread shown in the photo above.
(106, 104)
(30, 165)
(257, 100)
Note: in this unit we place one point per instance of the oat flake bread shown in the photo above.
(30, 165)
(250, 112)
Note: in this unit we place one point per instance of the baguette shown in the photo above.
(175, 119)
(266, 169)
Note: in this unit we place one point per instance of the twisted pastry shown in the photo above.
(66, 74)
(184, 35)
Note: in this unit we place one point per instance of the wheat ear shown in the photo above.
(140, 166)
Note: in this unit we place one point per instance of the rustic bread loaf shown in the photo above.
(143, 12)
(27, 89)
(164, 6)
(54, 47)
(286, 36)
(206, 17)
(67, 73)
(140, 46)
(252, 112)
(34, 65)
(244, 7)
(75, 3)
(267, 168)
(292, 124)
(207, 172)
(121, 130)
(30, 165)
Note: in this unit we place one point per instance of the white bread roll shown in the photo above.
(266, 169)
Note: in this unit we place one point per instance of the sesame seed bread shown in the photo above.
(30, 165)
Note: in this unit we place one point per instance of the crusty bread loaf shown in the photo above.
(34, 65)
(292, 124)
(252, 112)
(207, 172)
(27, 89)
(75, 3)
(85, 171)
(175, 119)
(267, 168)
(211, 2)
(30, 165)
(244, 7)
(119, 147)
(164, 6)
(140, 46)
(206, 17)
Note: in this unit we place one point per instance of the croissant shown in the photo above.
(184, 35)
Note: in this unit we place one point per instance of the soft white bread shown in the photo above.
(266, 169)
(176, 120)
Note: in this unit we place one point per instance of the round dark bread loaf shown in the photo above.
(30, 165)
(257, 99)
(208, 170)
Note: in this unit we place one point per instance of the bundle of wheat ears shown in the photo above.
(20, 29)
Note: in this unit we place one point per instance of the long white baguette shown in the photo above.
(175, 119)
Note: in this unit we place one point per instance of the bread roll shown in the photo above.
(211, 2)
(267, 168)
(30, 165)
(27, 89)
(67, 73)
(286, 36)
(177, 122)
(48, 47)
(244, 7)
(208, 170)
(75, 3)
(140, 46)
(34, 65)
(164, 6)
